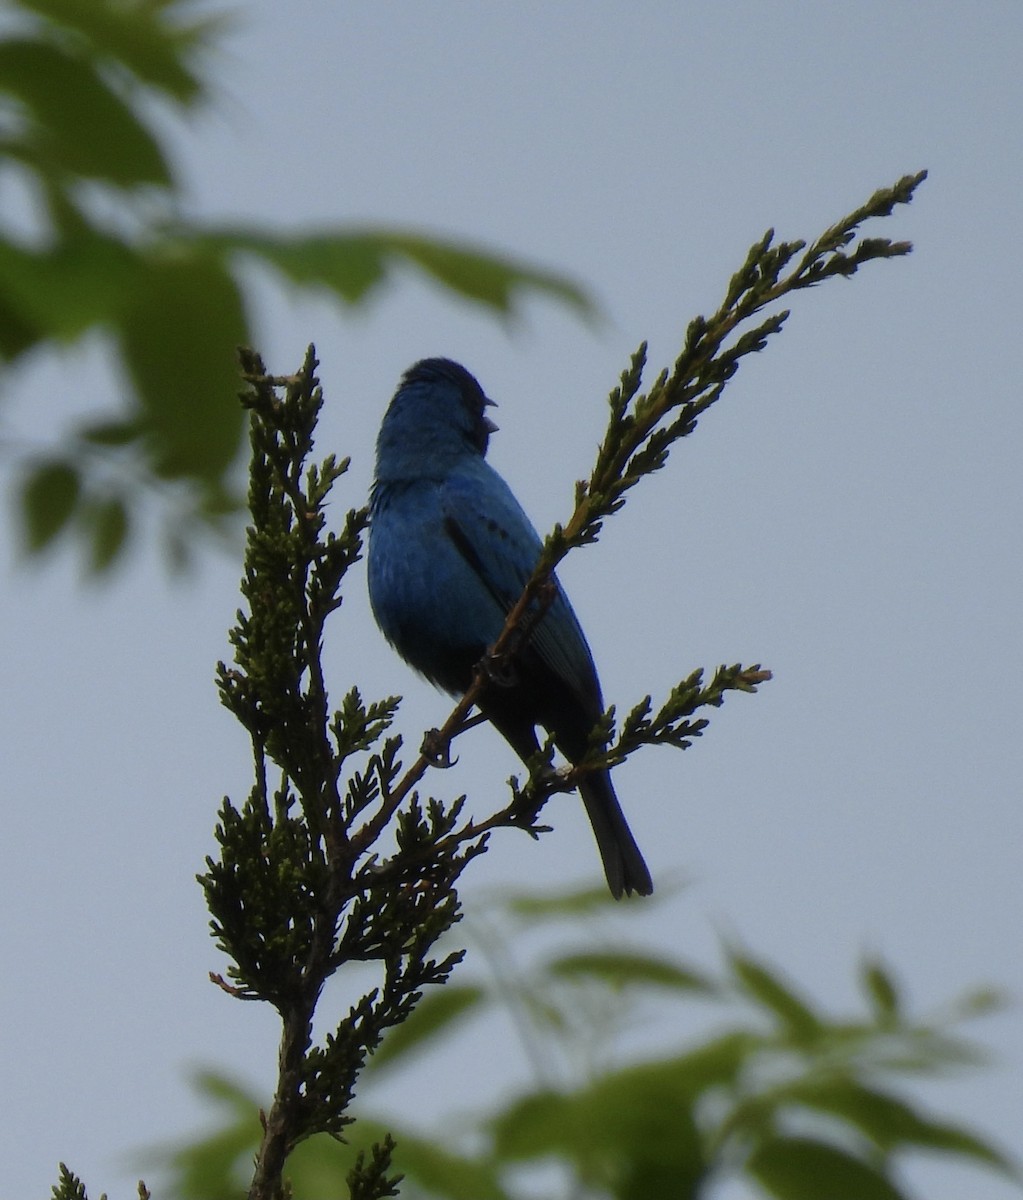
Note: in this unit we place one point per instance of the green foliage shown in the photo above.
(778, 1093)
(77, 80)
(303, 886)
(70, 1187)
(644, 426)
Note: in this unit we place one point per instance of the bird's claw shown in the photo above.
(437, 750)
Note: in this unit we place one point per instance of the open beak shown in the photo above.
(490, 426)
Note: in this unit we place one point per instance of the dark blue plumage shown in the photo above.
(450, 551)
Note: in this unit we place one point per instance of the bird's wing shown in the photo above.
(497, 541)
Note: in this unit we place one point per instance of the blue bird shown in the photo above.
(450, 551)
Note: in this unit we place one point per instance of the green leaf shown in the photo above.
(17, 333)
(227, 1093)
(48, 499)
(539, 1125)
(81, 126)
(215, 1165)
(930, 1052)
(620, 968)
(112, 431)
(633, 1131)
(767, 989)
(179, 340)
(881, 990)
(718, 1062)
(352, 263)
(108, 524)
(432, 1017)
(151, 39)
(891, 1123)
(612, 1107)
(981, 1003)
(794, 1168)
(573, 905)
(492, 280)
(84, 280)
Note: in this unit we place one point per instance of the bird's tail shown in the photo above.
(623, 863)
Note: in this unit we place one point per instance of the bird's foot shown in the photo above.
(500, 670)
(437, 749)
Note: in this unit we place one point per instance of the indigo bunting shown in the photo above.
(450, 551)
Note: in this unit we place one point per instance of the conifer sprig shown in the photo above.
(335, 858)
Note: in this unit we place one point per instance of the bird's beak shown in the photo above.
(490, 426)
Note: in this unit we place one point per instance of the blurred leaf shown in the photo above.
(930, 1052)
(718, 1062)
(767, 989)
(481, 275)
(633, 1131)
(793, 1168)
(981, 1003)
(556, 906)
(17, 334)
(548, 1121)
(148, 37)
(108, 524)
(214, 1167)
(432, 1017)
(179, 339)
(64, 291)
(881, 990)
(48, 499)
(177, 548)
(318, 1166)
(954, 1139)
(636, 1125)
(681, 1124)
(113, 431)
(890, 1122)
(539, 1125)
(227, 1093)
(351, 264)
(81, 125)
(621, 968)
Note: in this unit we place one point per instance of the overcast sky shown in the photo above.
(849, 515)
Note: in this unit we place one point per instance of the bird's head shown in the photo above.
(437, 416)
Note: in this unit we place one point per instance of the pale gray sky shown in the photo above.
(849, 516)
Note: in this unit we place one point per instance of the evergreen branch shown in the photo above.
(318, 872)
(371, 1180)
(292, 899)
(672, 725)
(642, 428)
